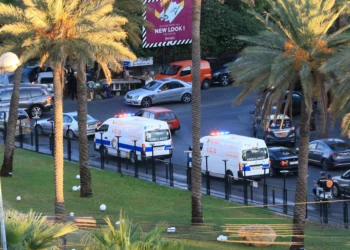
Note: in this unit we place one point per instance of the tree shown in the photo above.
(34, 231)
(129, 236)
(197, 210)
(296, 44)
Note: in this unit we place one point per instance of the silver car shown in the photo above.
(70, 125)
(157, 91)
(341, 184)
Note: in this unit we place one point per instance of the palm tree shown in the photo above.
(34, 231)
(197, 210)
(129, 236)
(295, 44)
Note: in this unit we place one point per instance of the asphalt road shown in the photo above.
(218, 114)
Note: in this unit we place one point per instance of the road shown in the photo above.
(218, 114)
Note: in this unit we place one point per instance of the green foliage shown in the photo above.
(33, 231)
(129, 236)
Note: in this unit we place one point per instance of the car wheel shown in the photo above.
(132, 157)
(186, 98)
(325, 165)
(225, 80)
(205, 84)
(146, 102)
(336, 190)
(70, 134)
(39, 129)
(35, 111)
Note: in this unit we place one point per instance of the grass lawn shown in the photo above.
(147, 204)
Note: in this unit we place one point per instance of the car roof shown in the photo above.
(157, 109)
(189, 63)
(162, 80)
(274, 149)
(329, 140)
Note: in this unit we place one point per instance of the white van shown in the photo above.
(46, 78)
(147, 133)
(243, 154)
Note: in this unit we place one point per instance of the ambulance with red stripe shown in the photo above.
(244, 156)
(134, 135)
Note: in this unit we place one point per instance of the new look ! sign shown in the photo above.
(171, 22)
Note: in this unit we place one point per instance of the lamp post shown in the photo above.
(8, 63)
(119, 156)
(284, 172)
(36, 118)
(188, 170)
(265, 188)
(153, 164)
(227, 196)
(171, 171)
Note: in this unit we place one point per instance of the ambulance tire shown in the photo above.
(132, 156)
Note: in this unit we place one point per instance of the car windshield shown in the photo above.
(89, 118)
(171, 70)
(152, 85)
(254, 154)
(286, 124)
(46, 80)
(166, 116)
(158, 135)
(283, 153)
(339, 146)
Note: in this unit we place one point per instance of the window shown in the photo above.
(186, 71)
(89, 118)
(140, 113)
(254, 154)
(36, 92)
(145, 114)
(152, 85)
(346, 175)
(283, 153)
(166, 116)
(103, 128)
(152, 115)
(286, 124)
(158, 135)
(165, 87)
(6, 95)
(67, 119)
(313, 145)
(46, 80)
(23, 93)
(320, 146)
(171, 70)
(175, 85)
(338, 146)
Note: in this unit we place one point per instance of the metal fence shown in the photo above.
(164, 172)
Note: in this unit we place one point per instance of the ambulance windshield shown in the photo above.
(158, 135)
(254, 154)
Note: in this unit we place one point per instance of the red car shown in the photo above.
(162, 114)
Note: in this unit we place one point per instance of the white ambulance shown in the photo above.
(245, 155)
(146, 132)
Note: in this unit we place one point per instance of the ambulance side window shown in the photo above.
(103, 128)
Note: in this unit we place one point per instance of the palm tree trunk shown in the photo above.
(301, 185)
(322, 114)
(85, 176)
(7, 165)
(60, 210)
(197, 211)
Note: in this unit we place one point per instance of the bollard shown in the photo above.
(189, 178)
(106, 155)
(20, 134)
(31, 138)
(36, 139)
(251, 191)
(102, 153)
(325, 212)
(207, 175)
(153, 165)
(285, 208)
(69, 148)
(245, 186)
(227, 196)
(166, 171)
(136, 174)
(171, 174)
(119, 159)
(321, 211)
(273, 196)
(146, 164)
(346, 215)
(265, 190)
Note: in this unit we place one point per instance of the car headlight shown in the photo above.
(136, 97)
(216, 74)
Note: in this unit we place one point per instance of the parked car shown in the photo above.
(46, 78)
(273, 133)
(162, 114)
(282, 159)
(158, 91)
(329, 153)
(70, 125)
(22, 120)
(183, 71)
(34, 99)
(219, 70)
(340, 180)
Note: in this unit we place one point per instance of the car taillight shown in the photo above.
(334, 155)
(268, 131)
(49, 99)
(293, 129)
(284, 163)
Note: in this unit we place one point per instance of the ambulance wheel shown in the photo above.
(132, 157)
(146, 102)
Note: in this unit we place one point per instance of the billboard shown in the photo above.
(171, 21)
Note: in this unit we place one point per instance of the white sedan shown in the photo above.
(70, 125)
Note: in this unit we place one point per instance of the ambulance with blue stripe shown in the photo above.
(243, 155)
(134, 136)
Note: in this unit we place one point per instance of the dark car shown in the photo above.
(329, 153)
(275, 132)
(219, 70)
(341, 184)
(34, 99)
(282, 159)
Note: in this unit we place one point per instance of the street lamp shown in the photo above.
(284, 172)
(8, 63)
